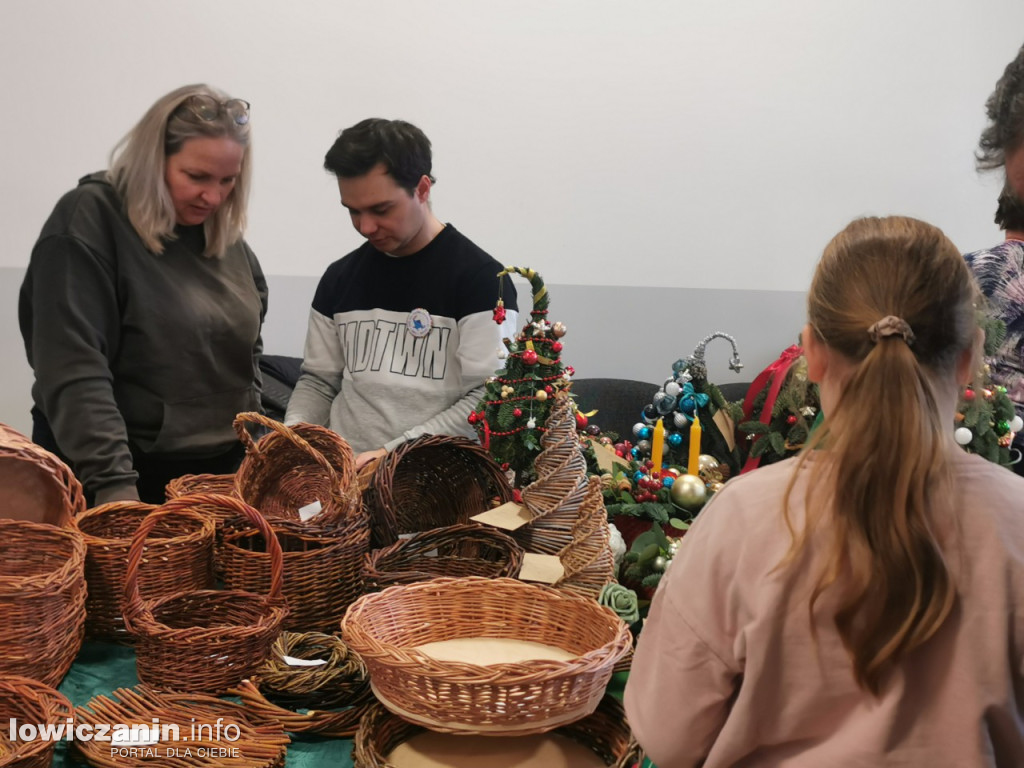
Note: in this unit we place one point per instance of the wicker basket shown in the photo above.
(333, 696)
(198, 719)
(605, 732)
(386, 628)
(178, 557)
(42, 599)
(203, 641)
(291, 467)
(469, 549)
(322, 568)
(38, 486)
(431, 481)
(29, 701)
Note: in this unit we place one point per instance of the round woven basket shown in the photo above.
(38, 486)
(42, 599)
(469, 549)
(332, 696)
(431, 481)
(292, 467)
(29, 702)
(202, 641)
(322, 568)
(605, 732)
(388, 628)
(205, 726)
(178, 556)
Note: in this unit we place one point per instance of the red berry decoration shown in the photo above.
(530, 357)
(472, 418)
(791, 419)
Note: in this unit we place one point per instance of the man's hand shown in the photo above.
(367, 456)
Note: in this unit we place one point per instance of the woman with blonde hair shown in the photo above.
(861, 604)
(142, 306)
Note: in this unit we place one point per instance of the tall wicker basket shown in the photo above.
(292, 467)
(42, 599)
(29, 702)
(202, 641)
(429, 482)
(178, 557)
(322, 568)
(37, 486)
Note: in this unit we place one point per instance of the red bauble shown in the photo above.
(581, 421)
(968, 395)
(517, 412)
(530, 357)
(791, 419)
(499, 315)
(556, 346)
(472, 418)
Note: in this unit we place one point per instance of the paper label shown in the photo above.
(293, 662)
(607, 459)
(310, 510)
(509, 516)
(726, 427)
(546, 569)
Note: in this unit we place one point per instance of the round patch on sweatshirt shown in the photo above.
(419, 323)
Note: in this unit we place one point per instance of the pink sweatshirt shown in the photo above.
(726, 671)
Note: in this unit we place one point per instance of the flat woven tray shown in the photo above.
(386, 628)
(605, 732)
(206, 727)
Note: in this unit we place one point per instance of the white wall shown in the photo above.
(664, 143)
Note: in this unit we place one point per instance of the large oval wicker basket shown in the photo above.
(388, 628)
(42, 599)
(178, 557)
(29, 702)
(37, 486)
(605, 733)
(429, 482)
(292, 467)
(322, 568)
(469, 549)
(202, 641)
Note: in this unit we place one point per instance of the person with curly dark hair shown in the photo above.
(1000, 270)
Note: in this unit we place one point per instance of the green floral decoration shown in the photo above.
(622, 600)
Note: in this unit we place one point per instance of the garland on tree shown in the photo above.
(510, 417)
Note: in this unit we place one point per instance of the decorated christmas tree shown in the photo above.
(517, 399)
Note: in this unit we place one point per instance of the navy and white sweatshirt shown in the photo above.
(368, 377)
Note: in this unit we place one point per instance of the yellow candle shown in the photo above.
(658, 445)
(694, 466)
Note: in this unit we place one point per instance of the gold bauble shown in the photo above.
(542, 395)
(689, 492)
(715, 487)
(706, 461)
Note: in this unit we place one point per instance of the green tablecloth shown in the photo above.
(102, 667)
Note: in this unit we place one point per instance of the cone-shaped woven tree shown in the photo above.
(518, 398)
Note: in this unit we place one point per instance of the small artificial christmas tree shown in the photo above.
(517, 399)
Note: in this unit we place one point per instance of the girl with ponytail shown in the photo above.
(863, 602)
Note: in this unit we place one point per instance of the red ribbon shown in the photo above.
(776, 373)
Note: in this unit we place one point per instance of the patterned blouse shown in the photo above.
(1000, 274)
